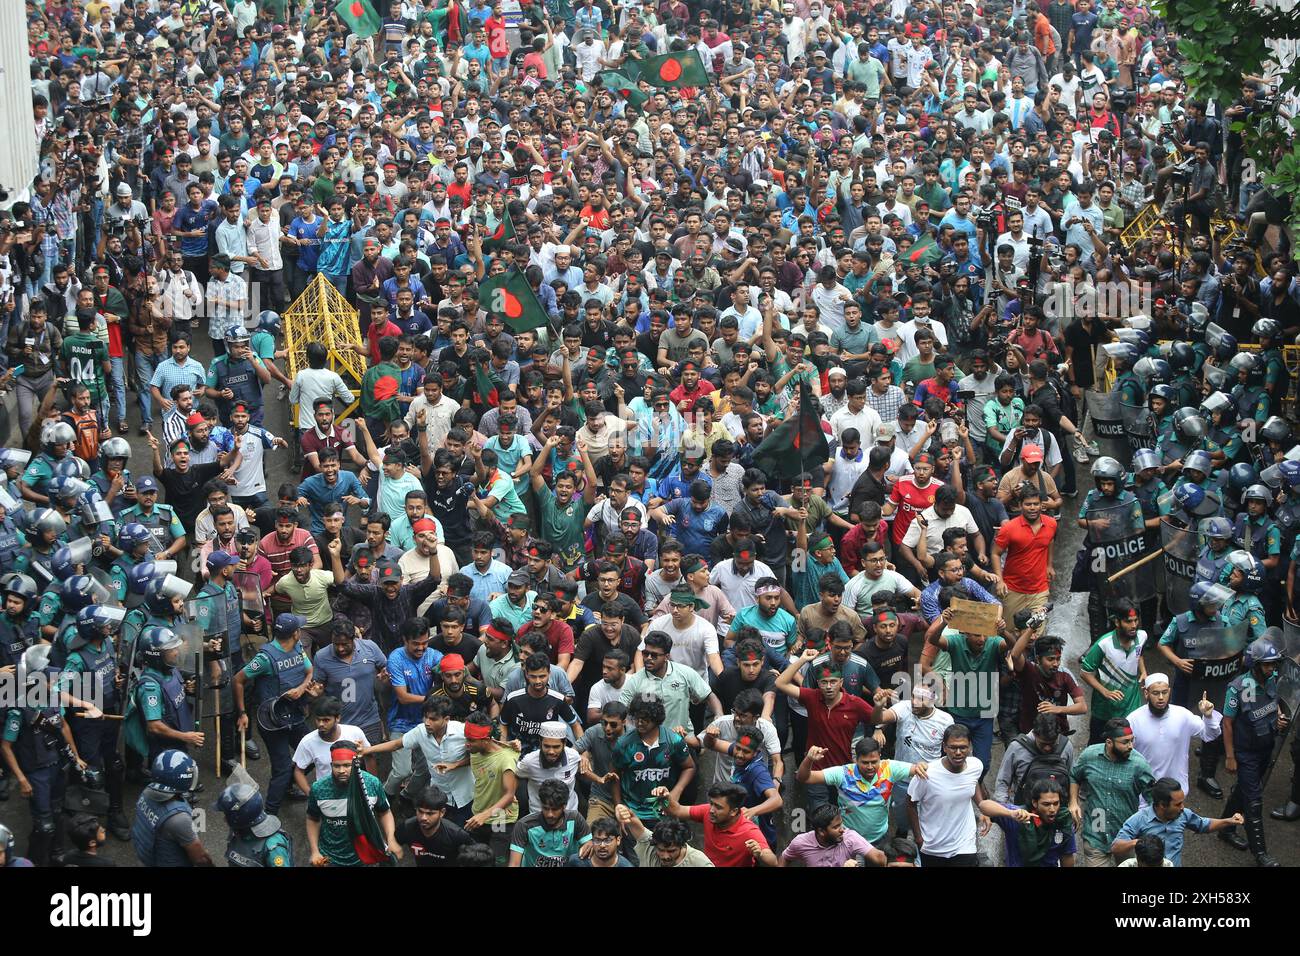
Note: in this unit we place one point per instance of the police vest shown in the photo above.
(1148, 495)
(241, 378)
(11, 545)
(158, 523)
(251, 852)
(122, 566)
(36, 748)
(170, 690)
(1246, 399)
(289, 669)
(39, 565)
(1209, 566)
(150, 815)
(102, 664)
(121, 503)
(1255, 725)
(16, 635)
(1257, 544)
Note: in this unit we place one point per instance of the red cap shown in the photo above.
(452, 662)
(1031, 453)
(195, 419)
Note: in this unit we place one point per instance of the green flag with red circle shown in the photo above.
(623, 87)
(510, 296)
(674, 70)
(360, 17)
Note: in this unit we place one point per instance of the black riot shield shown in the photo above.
(1216, 653)
(1180, 546)
(1108, 423)
(1139, 426)
(1116, 542)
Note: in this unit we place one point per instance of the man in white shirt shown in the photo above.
(1017, 239)
(313, 751)
(1163, 732)
(695, 640)
(438, 408)
(553, 759)
(856, 414)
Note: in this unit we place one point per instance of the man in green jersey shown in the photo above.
(328, 836)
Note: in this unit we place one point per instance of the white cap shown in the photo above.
(837, 371)
(552, 730)
(1153, 679)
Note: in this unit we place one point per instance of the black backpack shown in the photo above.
(1049, 766)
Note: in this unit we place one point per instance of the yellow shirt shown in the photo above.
(489, 782)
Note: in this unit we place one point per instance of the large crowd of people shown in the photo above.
(729, 536)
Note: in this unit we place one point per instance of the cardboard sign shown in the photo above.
(975, 617)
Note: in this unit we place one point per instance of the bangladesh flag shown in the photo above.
(924, 251)
(797, 444)
(510, 296)
(623, 87)
(367, 839)
(503, 234)
(674, 70)
(360, 17)
(485, 388)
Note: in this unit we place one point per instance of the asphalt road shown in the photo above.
(1069, 620)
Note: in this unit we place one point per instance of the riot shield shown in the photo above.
(1139, 426)
(1108, 423)
(209, 615)
(104, 579)
(249, 585)
(1180, 546)
(1216, 658)
(1288, 679)
(1116, 542)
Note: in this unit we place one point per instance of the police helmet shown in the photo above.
(47, 519)
(1107, 468)
(1266, 329)
(1181, 356)
(1145, 458)
(1216, 527)
(1241, 476)
(20, 585)
(1257, 492)
(1252, 571)
(156, 640)
(1263, 650)
(133, 533)
(56, 433)
(173, 771)
(115, 447)
(1275, 428)
(244, 809)
(1199, 460)
(1189, 423)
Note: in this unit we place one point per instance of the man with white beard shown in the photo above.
(1163, 731)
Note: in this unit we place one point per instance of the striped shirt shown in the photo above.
(168, 373)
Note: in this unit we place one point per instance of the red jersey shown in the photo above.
(910, 501)
(727, 847)
(834, 728)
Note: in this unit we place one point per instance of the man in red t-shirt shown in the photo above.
(730, 838)
(378, 328)
(280, 543)
(833, 716)
(1022, 556)
(692, 388)
(911, 495)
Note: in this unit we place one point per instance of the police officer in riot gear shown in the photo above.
(281, 673)
(1251, 723)
(91, 653)
(1109, 501)
(1248, 395)
(134, 541)
(158, 710)
(163, 832)
(113, 479)
(46, 530)
(19, 627)
(256, 839)
(35, 743)
(1213, 557)
(221, 597)
(56, 443)
(1207, 600)
(239, 377)
(1187, 435)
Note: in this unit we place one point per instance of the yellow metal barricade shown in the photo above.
(321, 314)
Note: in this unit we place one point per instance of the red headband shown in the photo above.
(492, 631)
(342, 753)
(477, 731)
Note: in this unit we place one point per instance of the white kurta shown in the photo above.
(1164, 740)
